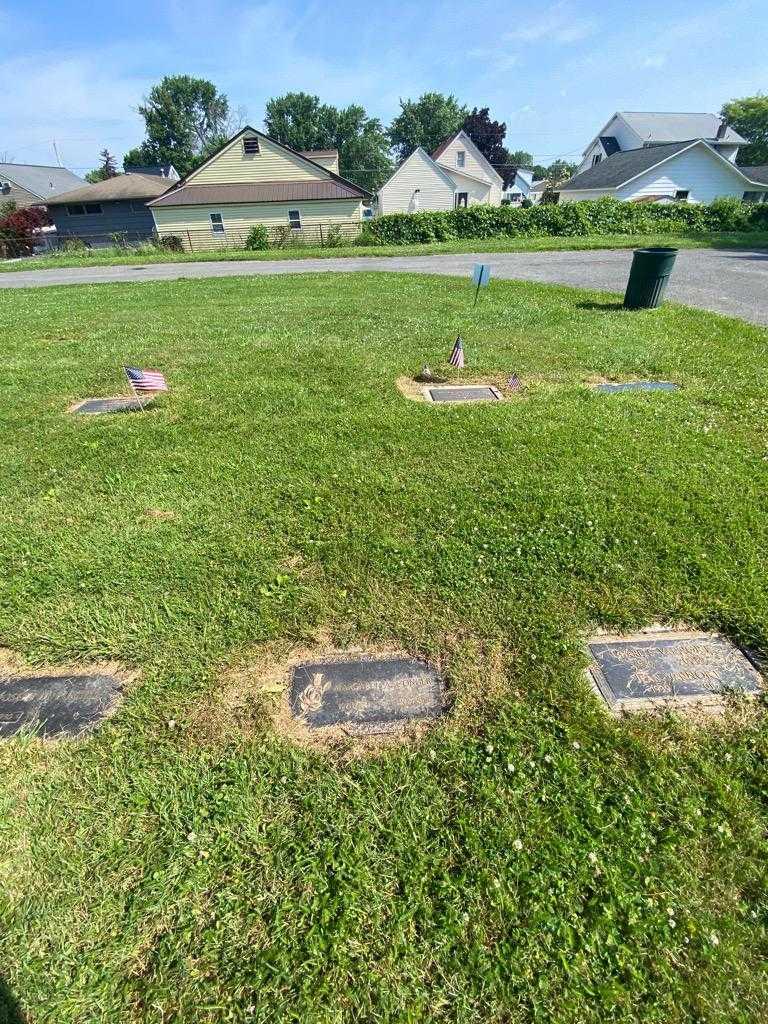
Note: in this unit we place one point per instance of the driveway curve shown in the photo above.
(730, 281)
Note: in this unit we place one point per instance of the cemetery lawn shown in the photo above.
(149, 254)
(530, 860)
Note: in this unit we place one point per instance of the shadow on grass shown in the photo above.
(10, 1011)
(606, 306)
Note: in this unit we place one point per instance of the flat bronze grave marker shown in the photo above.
(366, 695)
(669, 668)
(101, 406)
(54, 706)
(464, 393)
(637, 385)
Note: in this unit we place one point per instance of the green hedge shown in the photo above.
(605, 216)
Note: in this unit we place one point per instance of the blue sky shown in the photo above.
(75, 71)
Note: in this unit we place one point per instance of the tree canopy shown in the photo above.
(186, 119)
(487, 135)
(749, 117)
(301, 121)
(425, 122)
(106, 169)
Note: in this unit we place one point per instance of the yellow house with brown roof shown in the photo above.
(254, 179)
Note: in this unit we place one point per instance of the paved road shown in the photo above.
(732, 281)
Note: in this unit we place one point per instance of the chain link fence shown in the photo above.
(283, 236)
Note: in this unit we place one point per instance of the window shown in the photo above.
(515, 197)
(93, 207)
(217, 224)
(755, 197)
(461, 158)
(5, 187)
(138, 206)
(596, 159)
(294, 219)
(76, 210)
(251, 146)
(681, 196)
(461, 198)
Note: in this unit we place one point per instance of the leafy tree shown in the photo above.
(186, 120)
(107, 168)
(520, 158)
(560, 170)
(303, 122)
(425, 122)
(487, 135)
(749, 117)
(18, 230)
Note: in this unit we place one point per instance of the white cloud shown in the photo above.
(77, 100)
(556, 24)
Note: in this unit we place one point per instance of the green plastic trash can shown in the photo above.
(651, 270)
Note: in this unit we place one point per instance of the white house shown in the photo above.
(634, 129)
(694, 172)
(518, 188)
(456, 174)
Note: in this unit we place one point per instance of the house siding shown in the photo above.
(193, 225)
(417, 172)
(21, 196)
(697, 170)
(271, 163)
(116, 218)
(472, 165)
(478, 192)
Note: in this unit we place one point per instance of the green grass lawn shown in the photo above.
(531, 859)
(110, 257)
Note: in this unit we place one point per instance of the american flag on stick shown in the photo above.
(456, 357)
(145, 380)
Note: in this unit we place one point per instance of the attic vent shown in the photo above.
(250, 146)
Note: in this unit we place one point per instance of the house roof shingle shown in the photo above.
(759, 174)
(620, 167)
(122, 186)
(676, 127)
(40, 180)
(258, 192)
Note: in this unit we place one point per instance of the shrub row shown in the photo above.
(606, 216)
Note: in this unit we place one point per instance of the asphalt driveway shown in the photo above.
(730, 281)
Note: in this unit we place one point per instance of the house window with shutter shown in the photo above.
(251, 146)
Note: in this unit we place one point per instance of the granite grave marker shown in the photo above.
(55, 705)
(466, 393)
(636, 385)
(667, 667)
(101, 406)
(366, 695)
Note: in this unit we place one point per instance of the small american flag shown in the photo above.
(457, 355)
(514, 383)
(145, 380)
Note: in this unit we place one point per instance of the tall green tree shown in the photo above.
(560, 170)
(303, 122)
(425, 122)
(106, 169)
(186, 119)
(749, 116)
(520, 158)
(488, 136)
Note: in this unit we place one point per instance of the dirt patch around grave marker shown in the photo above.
(419, 392)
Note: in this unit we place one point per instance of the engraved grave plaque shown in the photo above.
(102, 406)
(468, 393)
(366, 695)
(55, 706)
(636, 385)
(669, 667)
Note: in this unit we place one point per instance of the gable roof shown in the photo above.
(357, 191)
(621, 168)
(757, 174)
(467, 141)
(678, 127)
(122, 186)
(38, 179)
(441, 171)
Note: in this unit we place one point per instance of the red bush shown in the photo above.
(17, 230)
